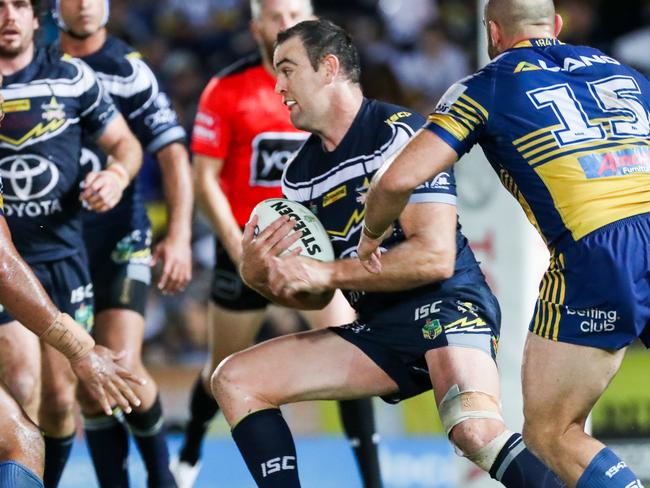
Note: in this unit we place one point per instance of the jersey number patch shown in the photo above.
(616, 96)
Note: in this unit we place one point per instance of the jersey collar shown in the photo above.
(538, 42)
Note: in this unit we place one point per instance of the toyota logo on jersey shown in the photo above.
(271, 152)
(26, 179)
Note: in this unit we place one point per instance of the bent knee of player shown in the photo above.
(544, 436)
(472, 435)
(24, 385)
(58, 406)
(229, 379)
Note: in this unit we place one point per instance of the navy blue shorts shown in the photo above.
(67, 282)
(228, 290)
(398, 337)
(120, 266)
(596, 292)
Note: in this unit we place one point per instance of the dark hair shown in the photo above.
(36, 7)
(322, 37)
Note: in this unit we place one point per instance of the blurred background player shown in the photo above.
(22, 449)
(118, 242)
(242, 138)
(567, 129)
(52, 102)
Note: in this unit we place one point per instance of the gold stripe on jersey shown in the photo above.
(475, 107)
(535, 142)
(538, 149)
(510, 185)
(589, 147)
(464, 118)
(466, 111)
(451, 125)
(536, 133)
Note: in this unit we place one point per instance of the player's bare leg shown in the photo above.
(57, 412)
(466, 386)
(21, 449)
(229, 331)
(252, 384)
(562, 382)
(20, 366)
(357, 416)
(123, 330)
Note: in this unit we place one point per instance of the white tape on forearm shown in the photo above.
(68, 337)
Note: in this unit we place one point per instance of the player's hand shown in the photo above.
(176, 258)
(369, 252)
(259, 251)
(292, 273)
(106, 381)
(101, 190)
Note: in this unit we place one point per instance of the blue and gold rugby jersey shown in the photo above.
(148, 112)
(566, 128)
(333, 185)
(50, 105)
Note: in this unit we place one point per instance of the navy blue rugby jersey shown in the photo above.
(566, 128)
(333, 185)
(50, 105)
(137, 95)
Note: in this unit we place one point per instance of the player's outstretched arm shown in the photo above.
(103, 189)
(95, 366)
(174, 251)
(421, 159)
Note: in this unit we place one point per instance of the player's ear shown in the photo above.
(255, 30)
(558, 24)
(495, 32)
(332, 67)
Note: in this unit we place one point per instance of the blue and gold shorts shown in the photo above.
(596, 292)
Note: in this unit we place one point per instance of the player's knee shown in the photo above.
(25, 387)
(472, 435)
(543, 436)
(58, 406)
(230, 377)
(472, 420)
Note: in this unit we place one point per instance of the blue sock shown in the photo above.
(606, 470)
(57, 452)
(266, 444)
(517, 467)
(15, 475)
(147, 429)
(108, 444)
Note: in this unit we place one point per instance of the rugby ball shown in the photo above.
(315, 242)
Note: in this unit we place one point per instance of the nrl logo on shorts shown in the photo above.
(53, 110)
(431, 329)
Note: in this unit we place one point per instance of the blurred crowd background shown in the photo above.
(412, 50)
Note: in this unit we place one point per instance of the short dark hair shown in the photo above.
(36, 7)
(322, 37)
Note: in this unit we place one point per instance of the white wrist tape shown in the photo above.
(68, 337)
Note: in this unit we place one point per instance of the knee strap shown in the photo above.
(458, 406)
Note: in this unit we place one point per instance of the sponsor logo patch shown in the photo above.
(616, 163)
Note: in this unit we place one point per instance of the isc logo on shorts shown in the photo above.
(271, 152)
